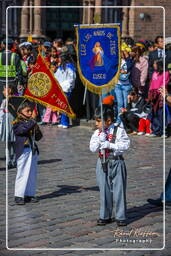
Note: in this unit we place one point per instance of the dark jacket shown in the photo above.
(140, 106)
(23, 131)
(154, 56)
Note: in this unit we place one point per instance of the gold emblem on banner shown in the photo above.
(39, 84)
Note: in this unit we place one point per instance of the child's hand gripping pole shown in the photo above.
(103, 160)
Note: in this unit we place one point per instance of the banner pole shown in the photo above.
(103, 150)
(85, 92)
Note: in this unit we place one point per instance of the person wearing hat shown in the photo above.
(46, 48)
(124, 86)
(141, 44)
(66, 75)
(14, 73)
(26, 132)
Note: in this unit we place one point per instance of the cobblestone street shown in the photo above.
(65, 216)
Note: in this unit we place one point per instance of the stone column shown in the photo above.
(31, 17)
(44, 17)
(98, 11)
(15, 26)
(85, 10)
(24, 20)
(91, 12)
(37, 33)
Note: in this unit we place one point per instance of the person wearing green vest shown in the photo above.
(13, 70)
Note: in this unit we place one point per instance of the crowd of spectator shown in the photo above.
(138, 103)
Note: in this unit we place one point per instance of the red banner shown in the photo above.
(45, 89)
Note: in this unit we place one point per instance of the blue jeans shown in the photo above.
(64, 118)
(156, 119)
(121, 92)
(167, 189)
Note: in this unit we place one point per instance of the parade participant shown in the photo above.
(8, 132)
(158, 78)
(66, 75)
(26, 131)
(112, 175)
(50, 115)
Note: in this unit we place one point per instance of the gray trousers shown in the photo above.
(112, 185)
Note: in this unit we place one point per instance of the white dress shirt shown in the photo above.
(121, 144)
(66, 78)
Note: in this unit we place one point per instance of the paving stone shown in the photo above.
(66, 214)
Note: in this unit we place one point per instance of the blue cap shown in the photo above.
(47, 44)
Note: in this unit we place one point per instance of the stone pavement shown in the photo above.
(66, 214)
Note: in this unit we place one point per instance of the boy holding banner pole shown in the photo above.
(98, 62)
(112, 178)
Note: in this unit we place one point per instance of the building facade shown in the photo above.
(140, 23)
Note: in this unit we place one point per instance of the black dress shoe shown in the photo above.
(121, 223)
(31, 199)
(157, 202)
(19, 200)
(102, 222)
(12, 166)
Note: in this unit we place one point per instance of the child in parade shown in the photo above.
(66, 75)
(50, 115)
(26, 132)
(112, 175)
(8, 131)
